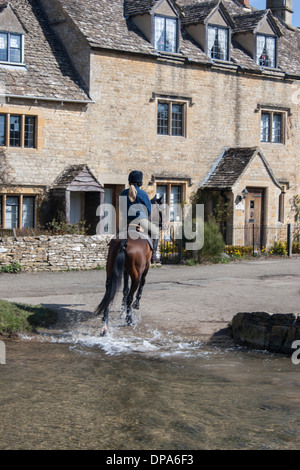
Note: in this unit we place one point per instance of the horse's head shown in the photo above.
(159, 214)
(157, 200)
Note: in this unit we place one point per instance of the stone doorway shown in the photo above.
(254, 216)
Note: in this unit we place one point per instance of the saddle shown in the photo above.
(132, 230)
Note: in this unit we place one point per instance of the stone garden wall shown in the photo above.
(271, 332)
(54, 253)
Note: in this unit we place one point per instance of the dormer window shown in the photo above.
(217, 42)
(266, 51)
(165, 33)
(11, 47)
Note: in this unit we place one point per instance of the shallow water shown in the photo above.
(133, 391)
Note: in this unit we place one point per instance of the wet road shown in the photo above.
(197, 301)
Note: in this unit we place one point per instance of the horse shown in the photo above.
(129, 256)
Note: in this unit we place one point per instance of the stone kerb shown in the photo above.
(271, 332)
(54, 253)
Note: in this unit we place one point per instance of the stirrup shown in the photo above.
(154, 259)
(135, 227)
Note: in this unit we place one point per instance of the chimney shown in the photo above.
(245, 3)
(282, 9)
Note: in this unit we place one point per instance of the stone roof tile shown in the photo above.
(138, 7)
(75, 172)
(103, 24)
(229, 168)
(48, 71)
(196, 13)
(248, 22)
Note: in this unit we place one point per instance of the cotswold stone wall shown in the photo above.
(54, 253)
(262, 330)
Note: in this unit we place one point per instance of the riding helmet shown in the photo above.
(136, 177)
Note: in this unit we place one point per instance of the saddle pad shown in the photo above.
(140, 235)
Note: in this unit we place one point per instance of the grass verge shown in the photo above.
(20, 318)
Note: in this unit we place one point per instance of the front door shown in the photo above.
(76, 207)
(254, 218)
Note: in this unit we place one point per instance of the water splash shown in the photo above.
(121, 340)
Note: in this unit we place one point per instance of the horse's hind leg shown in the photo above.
(136, 304)
(134, 285)
(104, 322)
(125, 291)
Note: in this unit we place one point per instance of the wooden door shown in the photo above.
(76, 205)
(254, 217)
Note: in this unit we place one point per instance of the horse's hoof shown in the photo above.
(136, 305)
(103, 332)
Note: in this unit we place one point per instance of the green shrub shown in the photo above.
(63, 228)
(213, 244)
(11, 268)
(296, 247)
(279, 248)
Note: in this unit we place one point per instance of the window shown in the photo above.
(266, 51)
(165, 34)
(217, 42)
(17, 211)
(12, 212)
(17, 131)
(28, 212)
(281, 206)
(277, 129)
(172, 196)
(170, 118)
(11, 47)
(271, 129)
(2, 129)
(29, 137)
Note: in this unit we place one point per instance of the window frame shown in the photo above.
(218, 28)
(155, 42)
(20, 216)
(29, 134)
(257, 60)
(170, 120)
(24, 140)
(9, 48)
(169, 185)
(15, 135)
(270, 139)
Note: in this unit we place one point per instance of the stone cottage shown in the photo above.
(199, 95)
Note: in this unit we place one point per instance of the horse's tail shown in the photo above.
(113, 282)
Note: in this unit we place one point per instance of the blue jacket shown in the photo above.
(143, 209)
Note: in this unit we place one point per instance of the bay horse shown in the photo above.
(129, 256)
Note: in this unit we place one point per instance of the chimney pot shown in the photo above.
(283, 9)
(245, 3)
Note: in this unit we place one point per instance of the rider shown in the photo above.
(139, 208)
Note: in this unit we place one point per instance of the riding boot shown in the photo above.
(155, 258)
